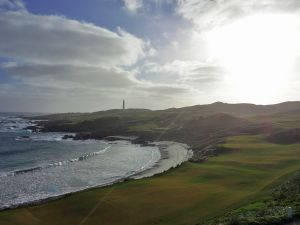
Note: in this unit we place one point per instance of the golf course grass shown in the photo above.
(190, 194)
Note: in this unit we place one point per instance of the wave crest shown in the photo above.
(60, 163)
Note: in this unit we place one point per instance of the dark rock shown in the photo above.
(83, 136)
(140, 140)
(34, 129)
(25, 136)
(68, 136)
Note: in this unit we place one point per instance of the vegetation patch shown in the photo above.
(272, 209)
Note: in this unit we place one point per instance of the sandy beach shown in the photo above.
(173, 154)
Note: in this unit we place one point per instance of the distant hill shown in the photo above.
(240, 110)
(243, 109)
(91, 116)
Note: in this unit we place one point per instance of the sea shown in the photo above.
(39, 166)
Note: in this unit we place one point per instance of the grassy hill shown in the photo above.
(244, 109)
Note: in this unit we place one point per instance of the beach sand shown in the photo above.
(173, 154)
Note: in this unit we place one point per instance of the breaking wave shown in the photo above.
(60, 163)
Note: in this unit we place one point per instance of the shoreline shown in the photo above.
(173, 154)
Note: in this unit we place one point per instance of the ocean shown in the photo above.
(37, 166)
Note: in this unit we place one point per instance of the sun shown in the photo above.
(258, 52)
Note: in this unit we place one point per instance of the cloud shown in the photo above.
(13, 5)
(55, 39)
(72, 76)
(184, 72)
(165, 90)
(206, 14)
(84, 88)
(56, 63)
(133, 5)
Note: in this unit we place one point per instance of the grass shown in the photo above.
(189, 194)
(269, 210)
(283, 121)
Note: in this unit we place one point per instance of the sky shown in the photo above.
(82, 56)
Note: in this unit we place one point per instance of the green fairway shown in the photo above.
(189, 194)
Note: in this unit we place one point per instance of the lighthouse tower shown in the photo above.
(123, 104)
